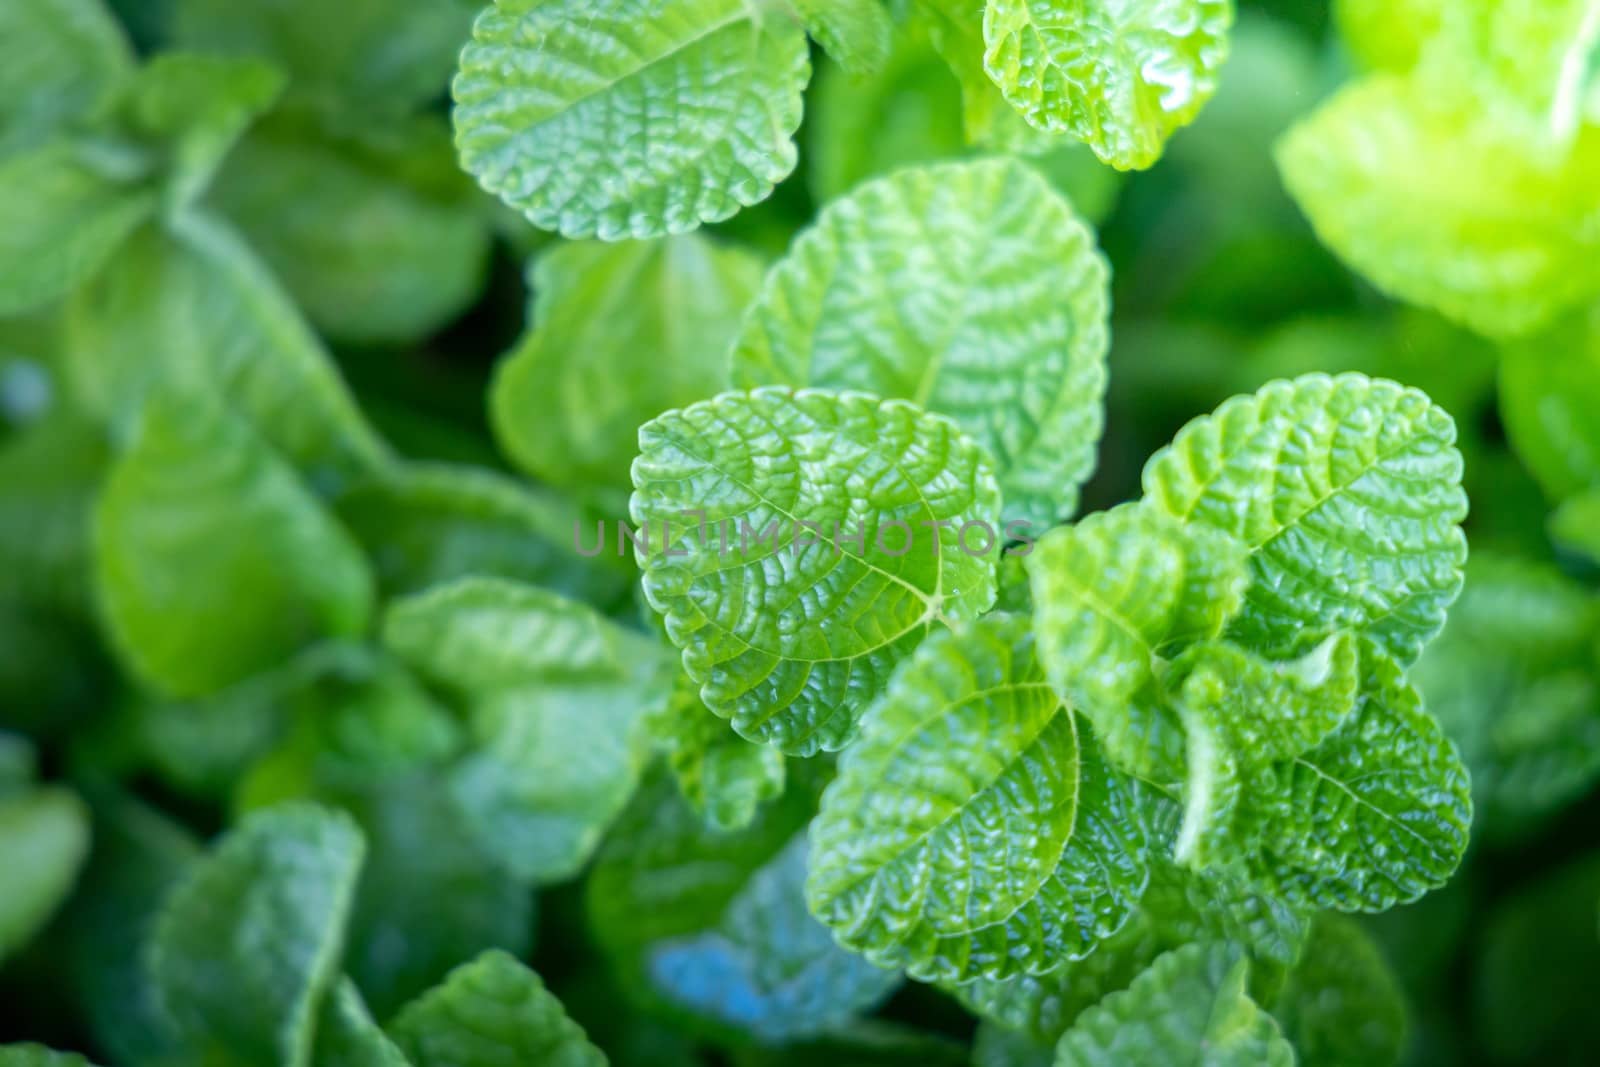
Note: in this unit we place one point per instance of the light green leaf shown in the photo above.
(492, 1012)
(856, 34)
(970, 289)
(955, 28)
(425, 524)
(1341, 1004)
(1115, 594)
(191, 307)
(1549, 393)
(60, 60)
(385, 57)
(1241, 711)
(1192, 999)
(791, 636)
(973, 829)
(724, 778)
(621, 332)
(39, 1056)
(250, 941)
(557, 698)
(1374, 816)
(1437, 207)
(629, 118)
(1576, 524)
(68, 204)
(377, 234)
(214, 562)
(1347, 493)
(1120, 76)
(1512, 681)
(1389, 34)
(199, 106)
(44, 835)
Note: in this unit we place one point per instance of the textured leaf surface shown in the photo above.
(1114, 593)
(1192, 999)
(492, 1012)
(629, 118)
(970, 289)
(377, 235)
(973, 829)
(1376, 815)
(67, 207)
(855, 33)
(214, 562)
(955, 28)
(250, 941)
(194, 309)
(789, 639)
(59, 60)
(1347, 492)
(1121, 76)
(1341, 1003)
(725, 778)
(621, 332)
(44, 835)
(1436, 207)
(1549, 393)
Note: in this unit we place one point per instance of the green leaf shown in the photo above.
(725, 778)
(49, 473)
(347, 1036)
(1241, 711)
(1389, 34)
(250, 941)
(1512, 681)
(425, 524)
(60, 61)
(710, 928)
(44, 835)
(1549, 391)
(39, 1056)
(68, 205)
(1341, 1004)
(1115, 594)
(629, 118)
(973, 829)
(557, 698)
(492, 1012)
(197, 107)
(385, 57)
(1436, 207)
(1347, 493)
(1576, 524)
(191, 307)
(621, 332)
(970, 289)
(377, 234)
(787, 638)
(1192, 999)
(1374, 816)
(213, 561)
(856, 34)
(1121, 77)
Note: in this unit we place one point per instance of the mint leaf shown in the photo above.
(855, 33)
(724, 778)
(973, 829)
(60, 61)
(347, 1036)
(214, 562)
(376, 234)
(250, 941)
(1347, 493)
(1122, 78)
(69, 203)
(44, 832)
(790, 639)
(629, 118)
(1341, 1004)
(934, 284)
(49, 473)
(491, 1012)
(39, 1056)
(1194, 997)
(1576, 523)
(621, 332)
(1549, 388)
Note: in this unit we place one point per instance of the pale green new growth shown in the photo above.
(1195, 998)
(973, 829)
(1121, 75)
(787, 623)
(630, 118)
(971, 289)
